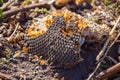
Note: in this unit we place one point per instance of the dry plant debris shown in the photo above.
(109, 72)
(64, 2)
(64, 37)
(59, 38)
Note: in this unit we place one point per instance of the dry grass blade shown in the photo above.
(13, 32)
(104, 48)
(106, 44)
(91, 75)
(113, 60)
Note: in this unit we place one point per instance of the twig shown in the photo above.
(104, 48)
(118, 41)
(91, 75)
(106, 44)
(16, 10)
(109, 72)
(7, 4)
(113, 60)
(4, 76)
(110, 46)
(13, 32)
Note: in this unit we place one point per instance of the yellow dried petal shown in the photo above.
(80, 1)
(42, 62)
(25, 49)
(48, 21)
(61, 2)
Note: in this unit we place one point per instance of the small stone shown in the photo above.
(37, 67)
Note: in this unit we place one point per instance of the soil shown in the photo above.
(19, 65)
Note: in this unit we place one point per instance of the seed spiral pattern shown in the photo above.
(60, 51)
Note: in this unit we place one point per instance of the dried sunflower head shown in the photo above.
(66, 32)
